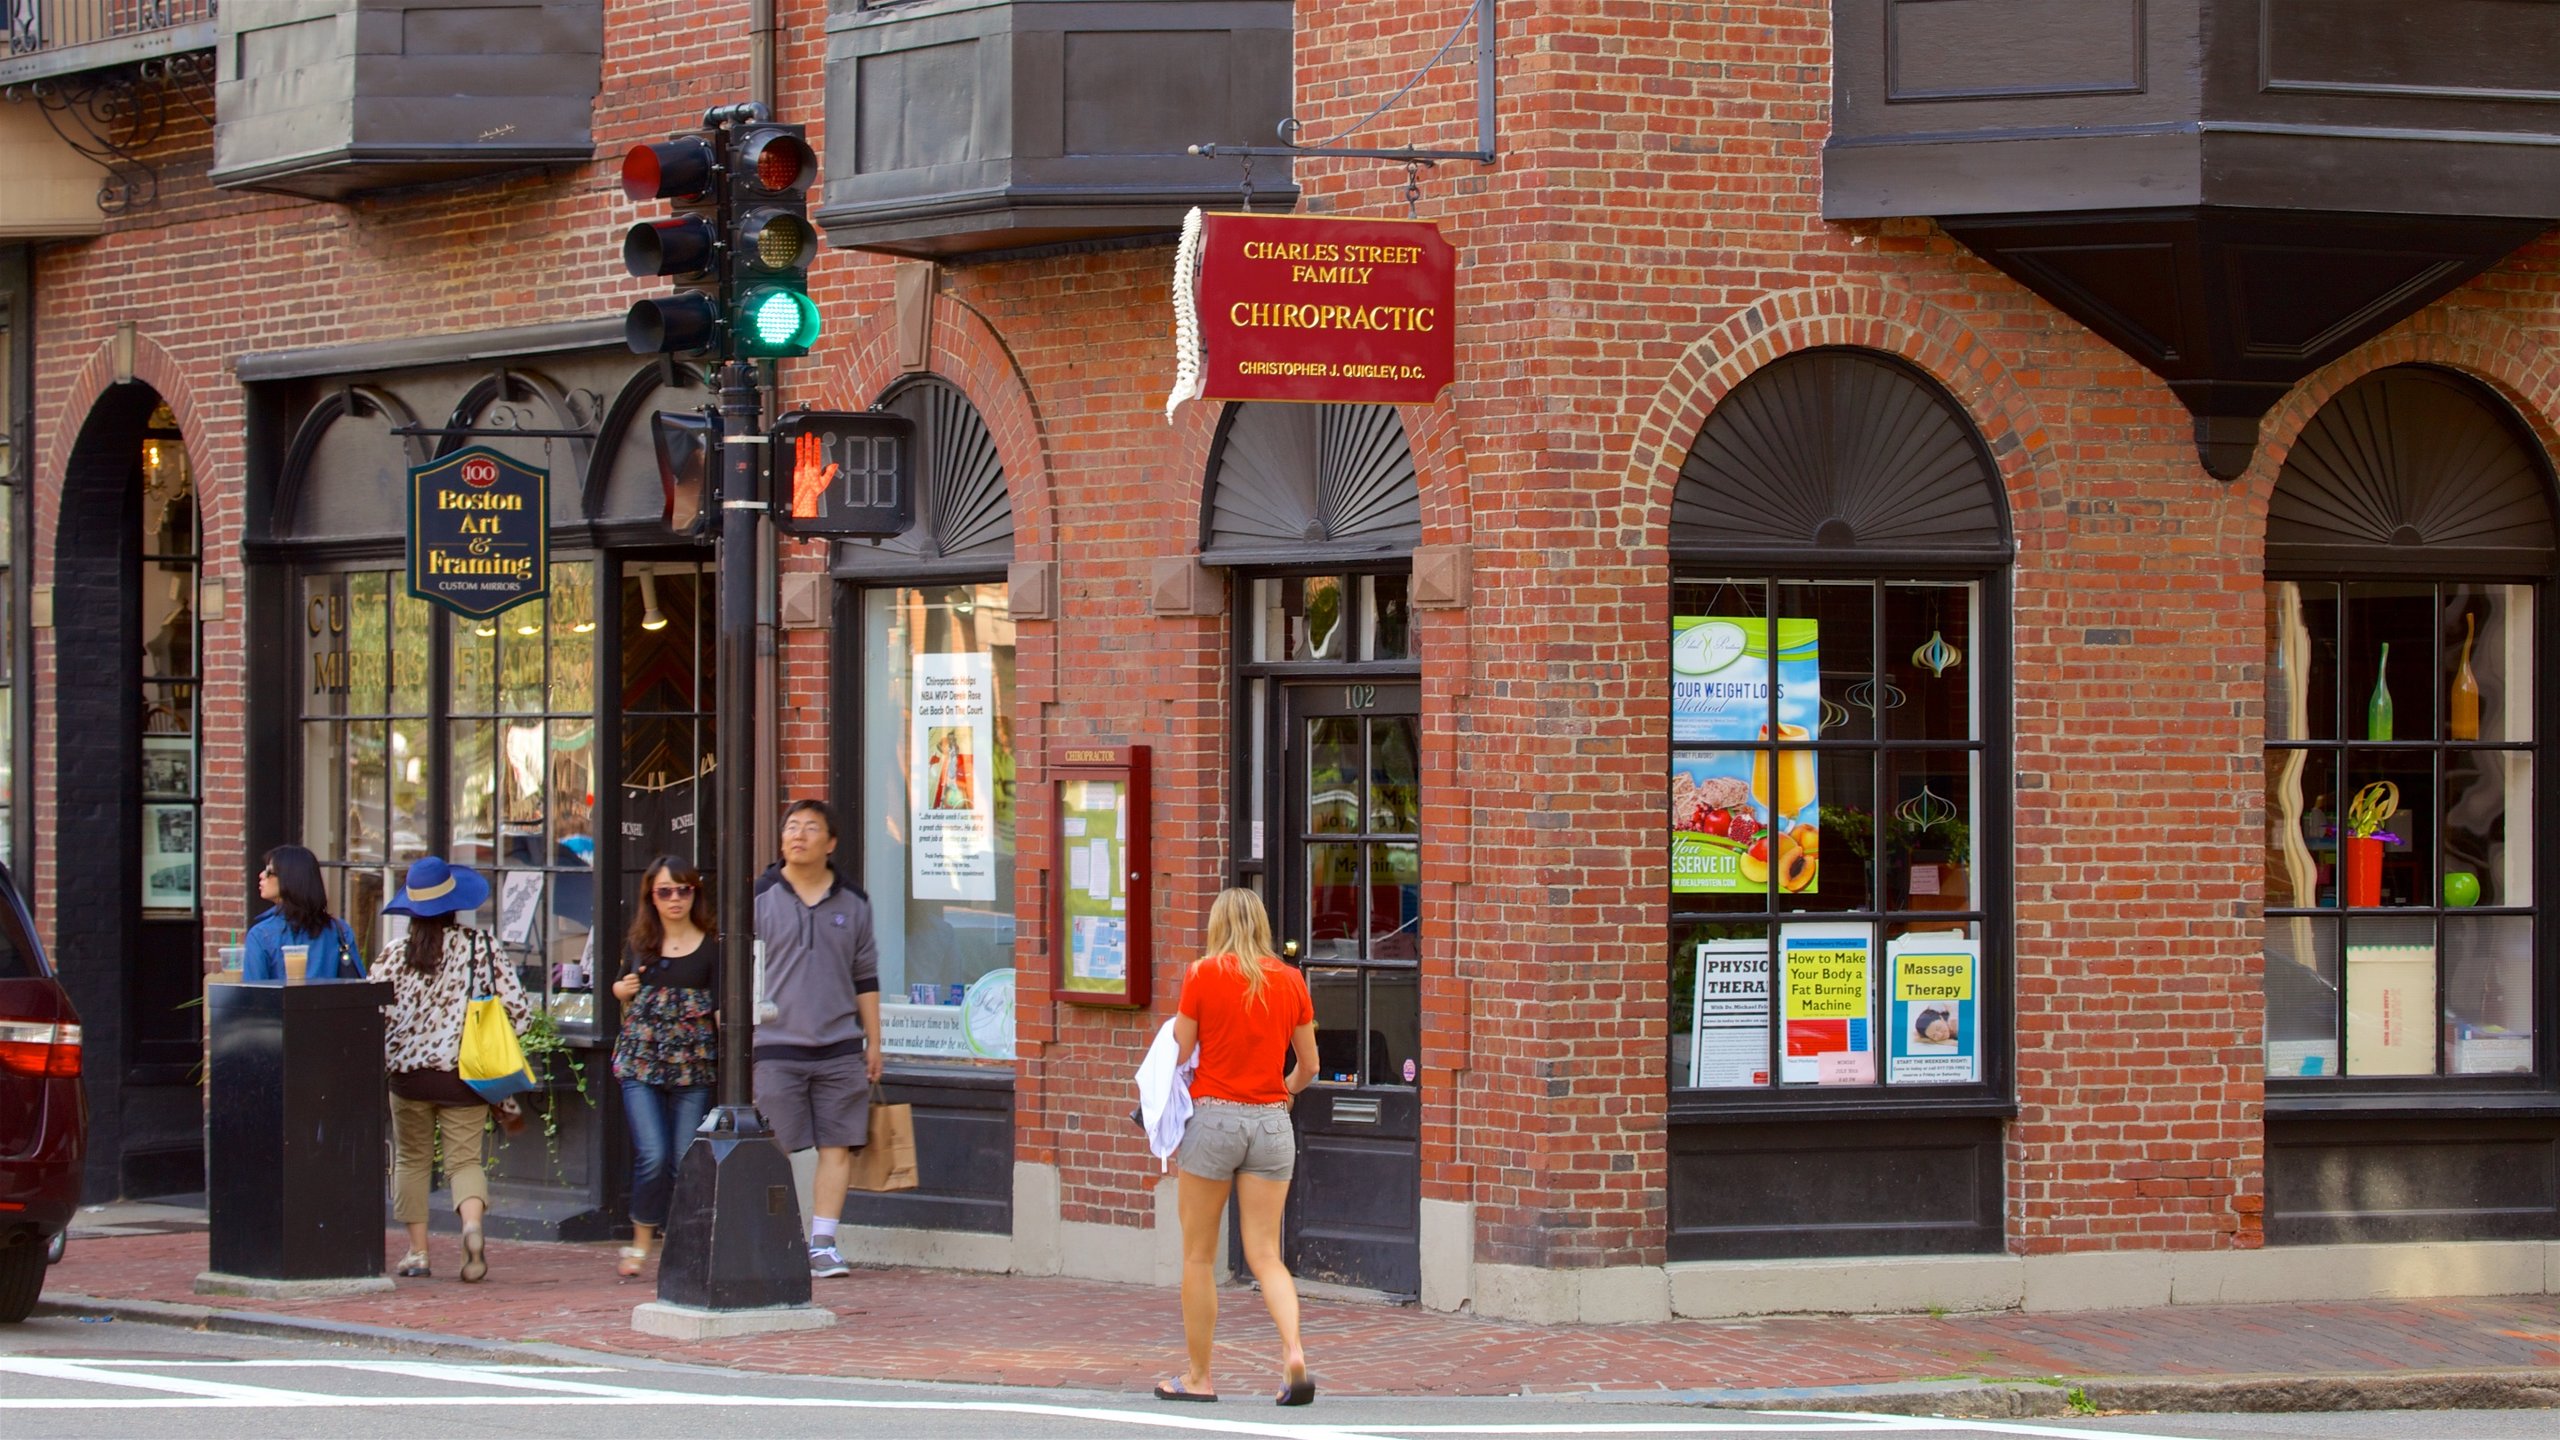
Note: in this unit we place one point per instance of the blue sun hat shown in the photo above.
(435, 888)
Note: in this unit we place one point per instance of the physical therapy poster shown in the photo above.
(951, 804)
(1094, 823)
(1935, 984)
(1829, 974)
(1743, 818)
(1729, 1044)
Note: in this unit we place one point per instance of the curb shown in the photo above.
(2526, 1389)
(2523, 1389)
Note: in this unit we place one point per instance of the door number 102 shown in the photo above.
(1360, 697)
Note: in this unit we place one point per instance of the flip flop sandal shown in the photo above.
(413, 1266)
(475, 1256)
(633, 1259)
(1173, 1390)
(1300, 1390)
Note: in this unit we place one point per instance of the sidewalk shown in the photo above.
(1016, 1330)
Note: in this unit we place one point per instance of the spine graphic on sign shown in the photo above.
(1187, 380)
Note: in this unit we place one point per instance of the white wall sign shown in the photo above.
(951, 779)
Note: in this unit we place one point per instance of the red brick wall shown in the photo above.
(1650, 236)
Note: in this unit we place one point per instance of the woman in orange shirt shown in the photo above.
(1248, 1014)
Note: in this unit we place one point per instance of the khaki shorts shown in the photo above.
(824, 1103)
(1225, 1140)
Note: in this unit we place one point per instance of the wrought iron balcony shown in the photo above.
(66, 37)
(2234, 192)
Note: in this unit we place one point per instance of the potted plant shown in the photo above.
(2372, 808)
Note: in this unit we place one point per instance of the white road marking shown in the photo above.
(542, 1386)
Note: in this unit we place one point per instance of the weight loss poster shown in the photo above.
(1742, 818)
(1932, 1014)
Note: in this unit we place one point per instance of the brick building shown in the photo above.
(2107, 443)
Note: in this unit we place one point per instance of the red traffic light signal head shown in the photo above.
(675, 325)
(675, 169)
(682, 246)
(777, 160)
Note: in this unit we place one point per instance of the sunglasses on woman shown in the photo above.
(673, 892)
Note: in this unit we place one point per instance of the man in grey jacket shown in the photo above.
(818, 1057)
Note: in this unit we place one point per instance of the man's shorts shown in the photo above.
(815, 1102)
(1225, 1140)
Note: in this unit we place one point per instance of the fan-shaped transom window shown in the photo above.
(2413, 470)
(1841, 454)
(964, 513)
(1296, 483)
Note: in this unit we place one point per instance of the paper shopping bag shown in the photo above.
(888, 1162)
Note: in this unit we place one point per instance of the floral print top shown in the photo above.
(671, 1030)
(423, 1029)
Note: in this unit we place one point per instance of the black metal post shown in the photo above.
(733, 1232)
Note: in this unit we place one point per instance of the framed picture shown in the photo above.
(519, 904)
(169, 766)
(169, 857)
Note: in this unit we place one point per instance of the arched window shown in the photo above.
(2410, 545)
(1838, 811)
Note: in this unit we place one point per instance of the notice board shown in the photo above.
(1099, 869)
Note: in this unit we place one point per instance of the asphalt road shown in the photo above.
(62, 1377)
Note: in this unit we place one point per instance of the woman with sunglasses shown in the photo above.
(297, 914)
(668, 1053)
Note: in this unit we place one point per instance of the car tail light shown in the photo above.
(40, 1047)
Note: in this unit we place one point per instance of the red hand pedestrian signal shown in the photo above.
(808, 482)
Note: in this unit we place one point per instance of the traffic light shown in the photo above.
(688, 449)
(685, 172)
(771, 241)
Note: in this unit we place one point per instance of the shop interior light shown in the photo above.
(529, 626)
(651, 618)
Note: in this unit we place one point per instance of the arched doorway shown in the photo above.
(129, 694)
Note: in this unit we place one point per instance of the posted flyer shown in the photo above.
(1935, 985)
(951, 785)
(1830, 982)
(1729, 1027)
(1744, 818)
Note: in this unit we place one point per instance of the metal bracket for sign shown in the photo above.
(1480, 15)
(496, 432)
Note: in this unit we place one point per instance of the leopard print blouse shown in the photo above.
(423, 1022)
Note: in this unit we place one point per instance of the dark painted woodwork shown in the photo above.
(2232, 193)
(1840, 452)
(331, 99)
(294, 1120)
(2415, 471)
(1302, 484)
(964, 126)
(1355, 1204)
(1918, 1186)
(964, 1153)
(964, 513)
(2337, 1180)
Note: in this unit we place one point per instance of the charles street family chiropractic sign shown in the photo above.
(479, 531)
(1288, 307)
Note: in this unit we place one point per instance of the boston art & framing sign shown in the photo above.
(479, 531)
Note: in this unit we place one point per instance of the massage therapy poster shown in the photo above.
(1932, 1014)
(1830, 989)
(1743, 817)
(951, 779)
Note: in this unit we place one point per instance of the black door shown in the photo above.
(1349, 888)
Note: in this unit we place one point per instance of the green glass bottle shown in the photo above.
(2377, 711)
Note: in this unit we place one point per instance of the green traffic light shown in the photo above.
(775, 321)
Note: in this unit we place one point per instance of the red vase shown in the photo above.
(2364, 870)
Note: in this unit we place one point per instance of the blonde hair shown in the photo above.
(1241, 928)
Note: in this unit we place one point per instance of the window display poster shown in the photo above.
(951, 780)
(1830, 983)
(1730, 1029)
(2391, 1009)
(1097, 893)
(169, 857)
(1932, 1016)
(1721, 671)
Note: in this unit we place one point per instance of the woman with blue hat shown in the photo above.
(434, 971)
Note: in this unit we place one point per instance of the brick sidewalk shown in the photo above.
(1015, 1330)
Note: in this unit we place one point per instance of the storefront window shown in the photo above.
(1826, 797)
(171, 775)
(937, 842)
(2400, 769)
(667, 720)
(365, 751)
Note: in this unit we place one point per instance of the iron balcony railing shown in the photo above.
(64, 37)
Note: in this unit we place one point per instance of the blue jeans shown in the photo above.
(663, 1120)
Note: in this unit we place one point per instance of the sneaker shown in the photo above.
(826, 1264)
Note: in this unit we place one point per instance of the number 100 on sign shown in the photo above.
(844, 473)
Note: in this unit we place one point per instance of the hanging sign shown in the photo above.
(952, 811)
(1294, 307)
(479, 531)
